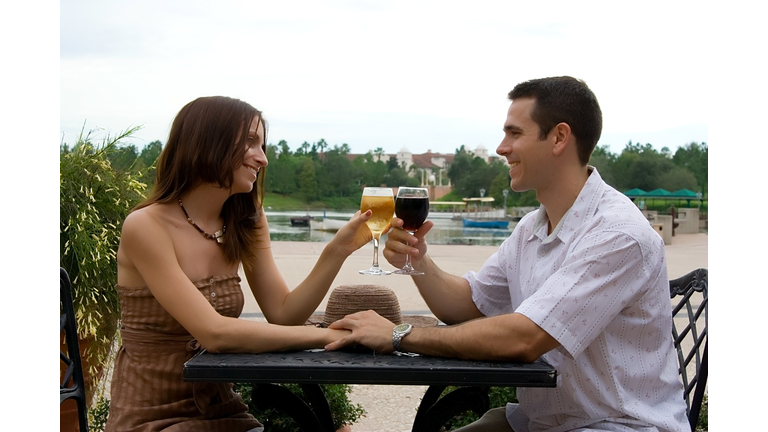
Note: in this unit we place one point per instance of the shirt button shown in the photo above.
(213, 295)
(211, 281)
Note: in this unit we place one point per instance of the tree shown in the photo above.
(148, 161)
(678, 178)
(392, 163)
(322, 145)
(370, 173)
(470, 174)
(604, 161)
(282, 171)
(340, 174)
(307, 181)
(379, 152)
(499, 184)
(303, 149)
(461, 166)
(398, 177)
(695, 158)
(640, 166)
(123, 157)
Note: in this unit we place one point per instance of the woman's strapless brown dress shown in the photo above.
(148, 392)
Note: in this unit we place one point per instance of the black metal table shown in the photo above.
(311, 368)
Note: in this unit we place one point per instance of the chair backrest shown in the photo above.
(72, 384)
(690, 334)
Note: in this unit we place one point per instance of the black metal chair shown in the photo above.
(72, 384)
(691, 337)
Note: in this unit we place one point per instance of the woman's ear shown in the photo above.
(561, 134)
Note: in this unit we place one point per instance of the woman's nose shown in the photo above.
(257, 153)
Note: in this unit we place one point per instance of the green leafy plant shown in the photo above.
(97, 414)
(702, 425)
(94, 199)
(499, 397)
(343, 411)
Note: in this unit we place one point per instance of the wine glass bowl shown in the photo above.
(382, 205)
(412, 206)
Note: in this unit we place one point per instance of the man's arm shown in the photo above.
(448, 296)
(510, 337)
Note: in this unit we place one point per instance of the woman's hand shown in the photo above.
(354, 235)
(400, 242)
(368, 329)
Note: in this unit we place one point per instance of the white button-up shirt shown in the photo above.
(598, 285)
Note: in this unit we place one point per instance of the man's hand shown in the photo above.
(368, 329)
(400, 242)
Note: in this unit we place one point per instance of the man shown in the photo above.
(581, 282)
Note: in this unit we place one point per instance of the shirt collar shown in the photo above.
(584, 205)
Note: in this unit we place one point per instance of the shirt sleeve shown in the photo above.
(600, 277)
(490, 289)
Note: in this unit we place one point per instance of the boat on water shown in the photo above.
(301, 221)
(496, 224)
(326, 224)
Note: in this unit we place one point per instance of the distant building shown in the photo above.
(480, 152)
(431, 167)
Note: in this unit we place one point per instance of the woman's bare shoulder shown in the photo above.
(152, 220)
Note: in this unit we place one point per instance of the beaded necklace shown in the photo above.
(218, 236)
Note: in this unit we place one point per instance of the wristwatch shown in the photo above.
(398, 333)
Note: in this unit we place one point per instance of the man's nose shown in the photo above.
(502, 148)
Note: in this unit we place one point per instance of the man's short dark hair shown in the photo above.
(564, 100)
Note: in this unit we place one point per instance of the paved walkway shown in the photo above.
(392, 408)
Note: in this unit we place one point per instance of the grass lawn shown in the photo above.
(278, 202)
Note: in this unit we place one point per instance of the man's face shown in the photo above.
(526, 154)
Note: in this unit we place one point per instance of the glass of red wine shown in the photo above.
(412, 206)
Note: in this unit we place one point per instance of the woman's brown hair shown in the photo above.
(206, 144)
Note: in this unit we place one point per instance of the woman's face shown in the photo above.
(254, 159)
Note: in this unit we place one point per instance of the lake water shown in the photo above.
(445, 231)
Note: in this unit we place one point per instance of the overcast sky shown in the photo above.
(421, 75)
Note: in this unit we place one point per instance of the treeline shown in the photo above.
(637, 166)
(128, 158)
(643, 167)
(318, 172)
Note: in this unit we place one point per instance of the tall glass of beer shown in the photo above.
(381, 202)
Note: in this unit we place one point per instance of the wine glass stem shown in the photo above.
(375, 251)
(408, 258)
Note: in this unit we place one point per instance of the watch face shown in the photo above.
(401, 327)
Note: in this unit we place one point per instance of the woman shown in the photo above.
(177, 274)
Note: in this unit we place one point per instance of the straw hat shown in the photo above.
(348, 299)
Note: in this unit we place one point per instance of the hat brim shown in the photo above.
(415, 320)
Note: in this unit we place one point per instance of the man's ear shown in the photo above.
(561, 134)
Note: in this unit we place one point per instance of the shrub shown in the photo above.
(342, 410)
(97, 414)
(94, 199)
(499, 397)
(703, 423)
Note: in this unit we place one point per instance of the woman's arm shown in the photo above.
(147, 248)
(281, 305)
